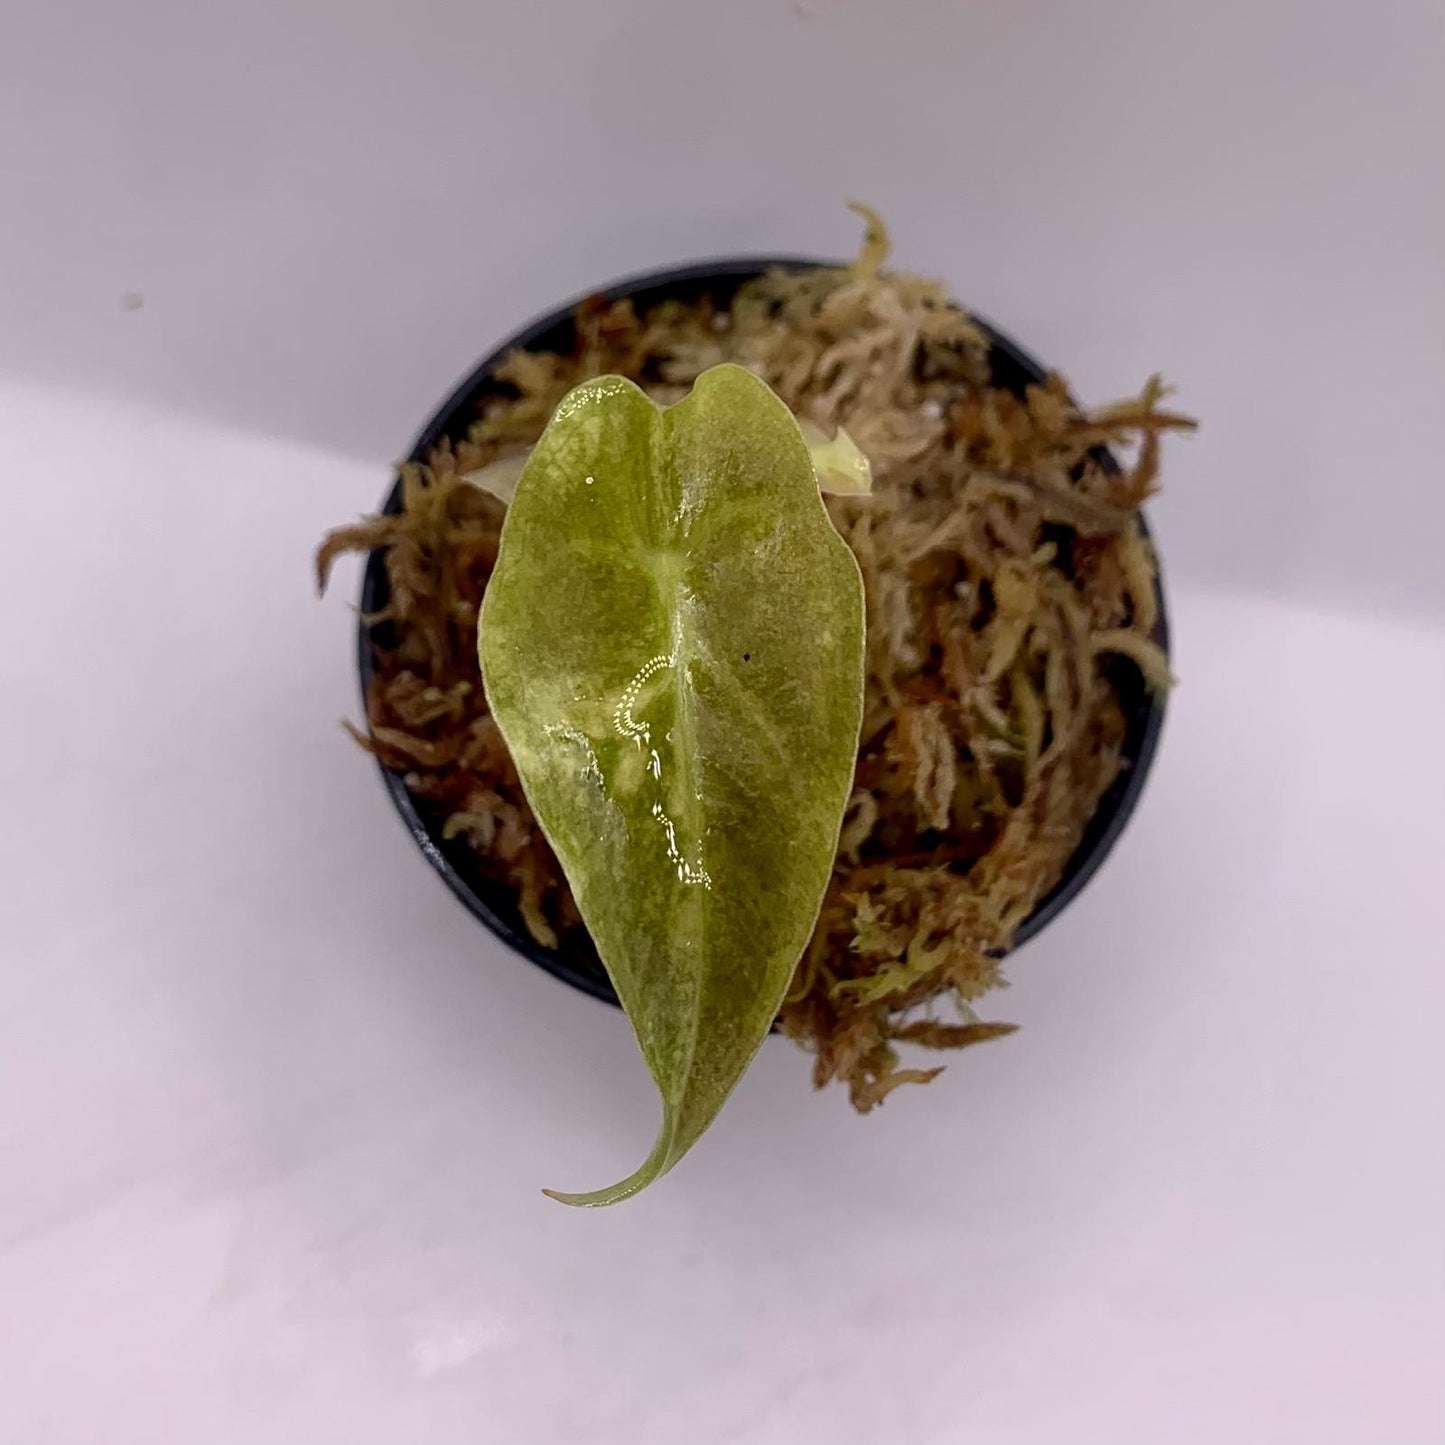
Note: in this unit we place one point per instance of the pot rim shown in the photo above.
(1114, 809)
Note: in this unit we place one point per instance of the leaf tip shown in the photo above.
(596, 1200)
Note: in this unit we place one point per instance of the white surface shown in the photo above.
(273, 1112)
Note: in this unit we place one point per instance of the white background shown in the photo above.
(274, 1111)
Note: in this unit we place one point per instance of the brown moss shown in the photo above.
(1001, 562)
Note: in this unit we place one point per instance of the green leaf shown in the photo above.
(838, 461)
(672, 646)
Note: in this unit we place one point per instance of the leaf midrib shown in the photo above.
(677, 600)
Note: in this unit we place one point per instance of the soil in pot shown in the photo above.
(1008, 581)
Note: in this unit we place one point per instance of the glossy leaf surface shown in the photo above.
(672, 645)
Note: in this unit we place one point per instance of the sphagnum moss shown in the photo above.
(1002, 562)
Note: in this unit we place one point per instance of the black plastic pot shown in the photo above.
(454, 861)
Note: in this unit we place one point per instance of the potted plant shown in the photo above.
(793, 760)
